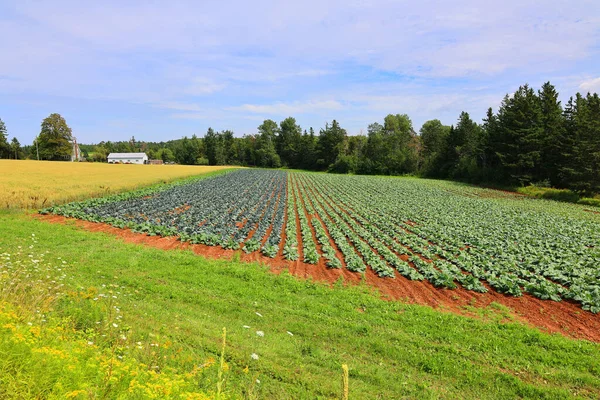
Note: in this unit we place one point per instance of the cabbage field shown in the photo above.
(449, 234)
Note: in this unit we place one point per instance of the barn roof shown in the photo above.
(127, 155)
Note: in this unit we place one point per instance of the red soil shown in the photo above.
(180, 210)
(564, 317)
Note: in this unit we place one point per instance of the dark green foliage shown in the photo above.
(553, 138)
(265, 153)
(215, 147)
(5, 147)
(582, 159)
(520, 136)
(54, 140)
(188, 151)
(460, 154)
(15, 149)
(288, 142)
(530, 139)
(433, 141)
(330, 144)
(391, 149)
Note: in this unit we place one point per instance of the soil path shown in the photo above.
(564, 317)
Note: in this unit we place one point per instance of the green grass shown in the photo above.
(393, 350)
(564, 195)
(590, 201)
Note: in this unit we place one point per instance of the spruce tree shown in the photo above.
(519, 136)
(553, 134)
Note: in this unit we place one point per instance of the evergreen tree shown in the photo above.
(520, 136)
(213, 145)
(229, 152)
(15, 148)
(567, 154)
(134, 145)
(470, 150)
(553, 134)
(583, 165)
(331, 144)
(490, 161)
(4, 146)
(308, 150)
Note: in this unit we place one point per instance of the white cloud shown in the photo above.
(175, 62)
(590, 85)
(291, 108)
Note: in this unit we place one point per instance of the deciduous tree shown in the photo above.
(55, 139)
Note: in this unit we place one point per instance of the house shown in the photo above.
(127, 158)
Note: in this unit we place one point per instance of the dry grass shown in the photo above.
(36, 184)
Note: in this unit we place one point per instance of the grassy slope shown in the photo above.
(393, 350)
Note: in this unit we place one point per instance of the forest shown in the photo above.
(531, 139)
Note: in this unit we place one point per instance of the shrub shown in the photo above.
(564, 195)
(590, 201)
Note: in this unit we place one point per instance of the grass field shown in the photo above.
(86, 315)
(182, 300)
(34, 184)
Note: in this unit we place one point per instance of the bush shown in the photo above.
(590, 201)
(344, 165)
(564, 195)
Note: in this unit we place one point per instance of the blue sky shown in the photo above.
(160, 70)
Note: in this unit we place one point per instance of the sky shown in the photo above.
(161, 70)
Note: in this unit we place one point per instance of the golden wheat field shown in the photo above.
(36, 184)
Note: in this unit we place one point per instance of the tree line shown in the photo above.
(532, 138)
(53, 143)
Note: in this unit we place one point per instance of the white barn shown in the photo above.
(127, 158)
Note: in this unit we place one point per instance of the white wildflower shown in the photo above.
(260, 333)
(254, 356)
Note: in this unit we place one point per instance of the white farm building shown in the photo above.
(128, 158)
